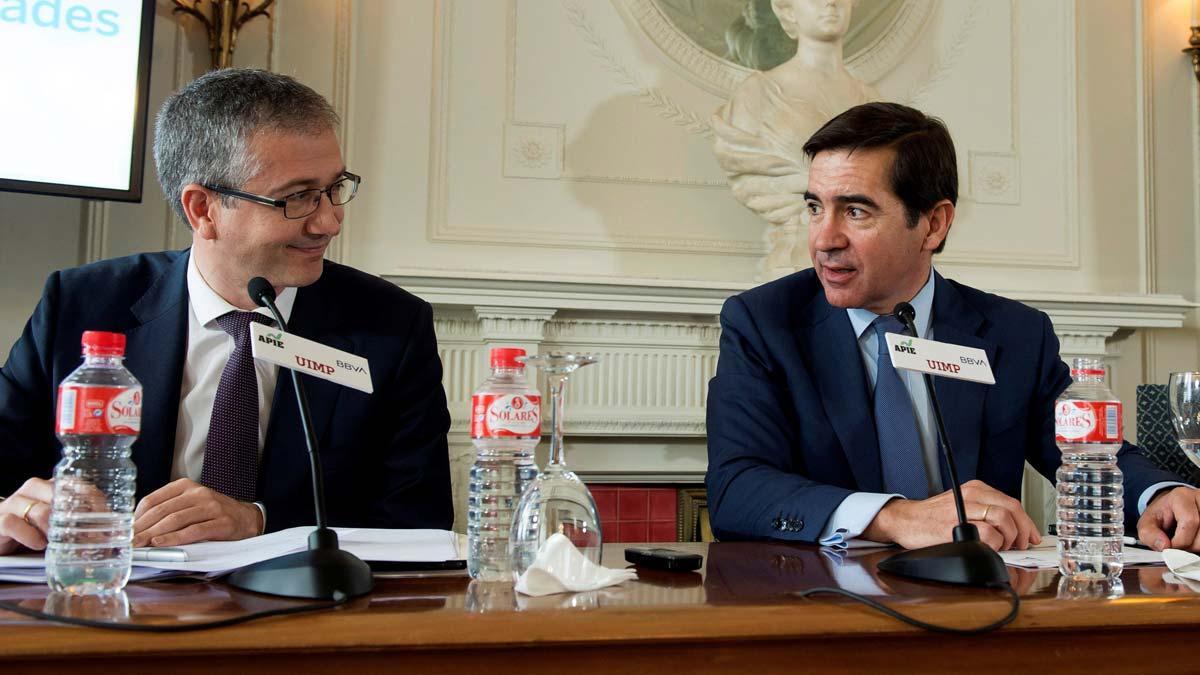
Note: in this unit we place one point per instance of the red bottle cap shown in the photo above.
(101, 343)
(506, 357)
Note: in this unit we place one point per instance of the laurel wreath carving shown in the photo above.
(653, 97)
(941, 67)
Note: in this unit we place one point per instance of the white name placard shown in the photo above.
(313, 358)
(939, 358)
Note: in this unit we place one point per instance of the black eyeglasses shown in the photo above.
(305, 202)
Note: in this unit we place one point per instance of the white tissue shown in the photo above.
(1182, 564)
(559, 568)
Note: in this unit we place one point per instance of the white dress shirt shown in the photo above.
(208, 349)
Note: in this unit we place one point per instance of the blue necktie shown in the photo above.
(895, 423)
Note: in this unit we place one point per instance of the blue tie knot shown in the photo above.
(887, 323)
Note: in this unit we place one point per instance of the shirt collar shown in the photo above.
(922, 303)
(208, 305)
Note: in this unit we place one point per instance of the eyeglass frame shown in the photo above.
(281, 203)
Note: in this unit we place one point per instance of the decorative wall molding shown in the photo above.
(439, 228)
(995, 177)
(96, 230)
(946, 59)
(1144, 77)
(1084, 342)
(627, 332)
(634, 297)
(720, 77)
(499, 324)
(439, 119)
(343, 92)
(533, 150)
(653, 97)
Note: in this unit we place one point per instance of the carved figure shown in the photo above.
(760, 131)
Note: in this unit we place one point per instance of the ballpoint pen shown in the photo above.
(160, 554)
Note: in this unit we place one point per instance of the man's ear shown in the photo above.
(940, 218)
(199, 205)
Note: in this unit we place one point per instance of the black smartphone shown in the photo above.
(385, 566)
(664, 559)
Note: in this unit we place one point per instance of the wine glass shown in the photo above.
(556, 502)
(1183, 392)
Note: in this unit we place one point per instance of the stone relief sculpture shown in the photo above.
(759, 133)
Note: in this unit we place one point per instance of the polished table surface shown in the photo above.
(737, 615)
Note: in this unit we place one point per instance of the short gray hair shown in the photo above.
(203, 131)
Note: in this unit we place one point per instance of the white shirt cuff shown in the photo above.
(1149, 493)
(263, 510)
(852, 517)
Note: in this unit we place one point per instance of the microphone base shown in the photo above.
(324, 572)
(967, 563)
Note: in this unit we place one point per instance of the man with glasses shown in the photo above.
(250, 162)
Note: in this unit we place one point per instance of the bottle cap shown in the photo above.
(506, 357)
(101, 343)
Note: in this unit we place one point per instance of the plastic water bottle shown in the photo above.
(505, 427)
(1091, 517)
(91, 519)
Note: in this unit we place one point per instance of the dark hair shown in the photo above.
(925, 170)
(203, 131)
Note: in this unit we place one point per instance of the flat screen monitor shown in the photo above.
(75, 85)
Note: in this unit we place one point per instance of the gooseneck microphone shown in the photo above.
(263, 294)
(324, 571)
(965, 560)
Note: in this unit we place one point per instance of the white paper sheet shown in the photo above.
(214, 558)
(1045, 555)
(37, 575)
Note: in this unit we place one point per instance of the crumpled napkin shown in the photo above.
(1183, 564)
(560, 568)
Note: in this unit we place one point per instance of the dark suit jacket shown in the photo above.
(384, 455)
(790, 425)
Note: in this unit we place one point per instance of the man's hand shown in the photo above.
(183, 512)
(1177, 510)
(25, 516)
(1002, 523)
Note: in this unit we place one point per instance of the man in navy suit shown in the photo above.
(813, 436)
(250, 162)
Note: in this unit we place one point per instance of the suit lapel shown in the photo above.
(156, 349)
(956, 322)
(842, 386)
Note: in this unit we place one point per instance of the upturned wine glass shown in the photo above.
(556, 501)
(1183, 393)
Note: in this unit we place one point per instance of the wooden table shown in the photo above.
(737, 616)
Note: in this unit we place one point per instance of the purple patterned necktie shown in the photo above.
(231, 452)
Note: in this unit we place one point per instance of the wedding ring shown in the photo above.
(986, 508)
(28, 508)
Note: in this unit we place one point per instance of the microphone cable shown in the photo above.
(1015, 600)
(338, 600)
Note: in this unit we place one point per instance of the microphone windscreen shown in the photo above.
(258, 289)
(905, 312)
